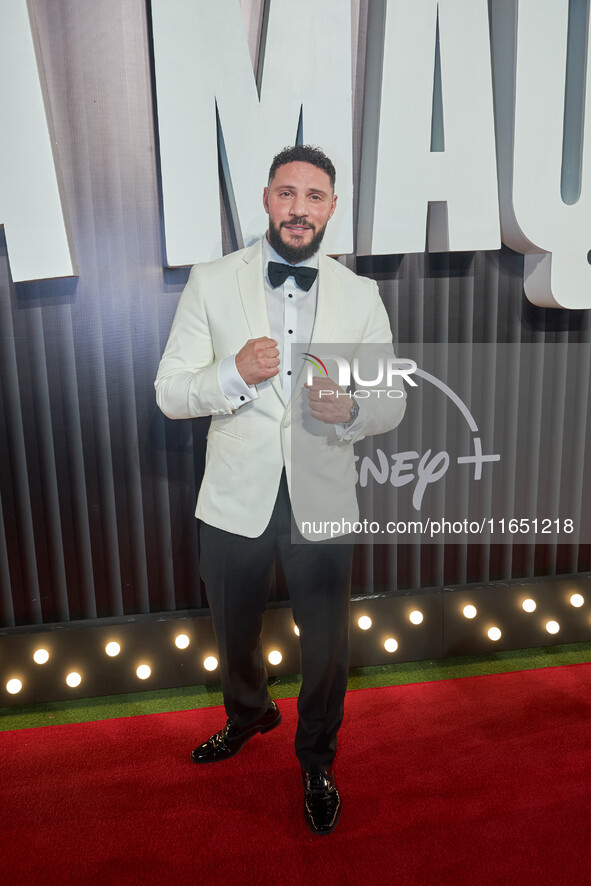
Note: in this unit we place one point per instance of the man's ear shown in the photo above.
(266, 199)
(333, 206)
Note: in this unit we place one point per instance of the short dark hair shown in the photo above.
(303, 154)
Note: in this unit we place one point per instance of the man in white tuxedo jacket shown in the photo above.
(279, 456)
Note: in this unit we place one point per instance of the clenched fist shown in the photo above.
(258, 360)
(328, 402)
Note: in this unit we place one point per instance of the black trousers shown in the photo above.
(237, 572)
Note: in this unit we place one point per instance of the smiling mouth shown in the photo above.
(295, 228)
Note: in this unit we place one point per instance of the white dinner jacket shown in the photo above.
(222, 306)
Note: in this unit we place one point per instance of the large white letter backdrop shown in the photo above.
(30, 204)
(531, 54)
(203, 65)
(459, 149)
(401, 174)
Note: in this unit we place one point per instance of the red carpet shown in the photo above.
(481, 780)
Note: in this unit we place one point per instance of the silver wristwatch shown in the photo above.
(354, 413)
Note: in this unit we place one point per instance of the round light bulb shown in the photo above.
(73, 679)
(275, 657)
(41, 656)
(13, 686)
(181, 641)
(210, 663)
(552, 627)
(529, 605)
(416, 617)
(364, 622)
(494, 634)
(470, 611)
(391, 645)
(144, 671)
(112, 648)
(577, 600)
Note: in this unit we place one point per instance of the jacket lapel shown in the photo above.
(328, 307)
(329, 301)
(252, 293)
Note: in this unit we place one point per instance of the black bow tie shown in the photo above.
(279, 273)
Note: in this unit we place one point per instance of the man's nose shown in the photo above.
(299, 206)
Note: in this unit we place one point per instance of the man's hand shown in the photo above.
(324, 403)
(258, 360)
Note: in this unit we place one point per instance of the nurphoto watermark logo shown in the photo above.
(472, 459)
(385, 371)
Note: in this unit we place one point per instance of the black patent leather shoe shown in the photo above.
(229, 740)
(322, 803)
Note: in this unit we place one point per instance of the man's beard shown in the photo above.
(294, 254)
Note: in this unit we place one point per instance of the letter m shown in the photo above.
(30, 205)
(213, 110)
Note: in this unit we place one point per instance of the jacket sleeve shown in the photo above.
(187, 383)
(384, 403)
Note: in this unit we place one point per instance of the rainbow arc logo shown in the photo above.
(317, 363)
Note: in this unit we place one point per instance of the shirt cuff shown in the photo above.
(348, 432)
(233, 386)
